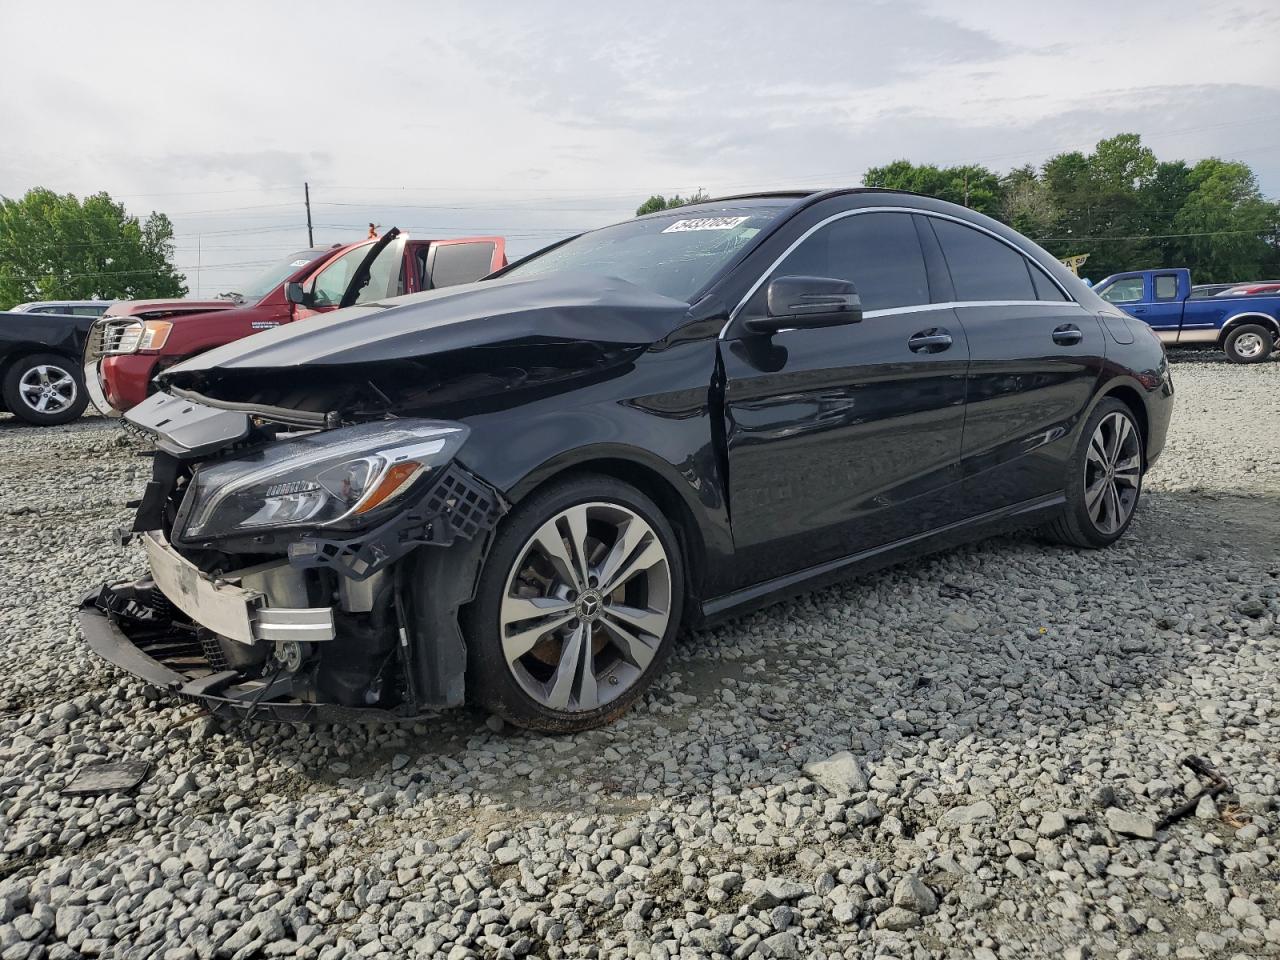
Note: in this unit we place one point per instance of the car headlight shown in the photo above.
(335, 478)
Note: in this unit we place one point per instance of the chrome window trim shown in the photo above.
(911, 308)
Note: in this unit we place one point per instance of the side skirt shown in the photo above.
(1014, 517)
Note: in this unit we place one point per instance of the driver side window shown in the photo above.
(331, 282)
(879, 252)
(1128, 290)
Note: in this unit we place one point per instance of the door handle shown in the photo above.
(1139, 309)
(1067, 334)
(933, 340)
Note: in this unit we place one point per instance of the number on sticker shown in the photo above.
(706, 223)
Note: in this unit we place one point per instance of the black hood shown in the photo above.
(402, 355)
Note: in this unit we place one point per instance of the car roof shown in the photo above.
(810, 194)
(62, 303)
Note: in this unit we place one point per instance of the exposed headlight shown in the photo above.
(326, 479)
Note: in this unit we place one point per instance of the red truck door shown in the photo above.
(331, 287)
(451, 262)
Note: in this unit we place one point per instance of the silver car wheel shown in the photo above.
(47, 389)
(1112, 473)
(585, 607)
(1249, 345)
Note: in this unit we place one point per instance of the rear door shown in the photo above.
(1034, 359)
(846, 438)
(451, 262)
(1163, 306)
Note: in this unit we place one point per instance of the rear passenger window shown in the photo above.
(879, 252)
(1046, 289)
(455, 263)
(982, 268)
(1166, 287)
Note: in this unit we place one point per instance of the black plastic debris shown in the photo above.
(1215, 785)
(106, 778)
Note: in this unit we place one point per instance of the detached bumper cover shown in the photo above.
(228, 609)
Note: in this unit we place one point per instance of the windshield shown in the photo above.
(674, 255)
(273, 276)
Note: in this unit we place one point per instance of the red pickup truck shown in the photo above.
(137, 339)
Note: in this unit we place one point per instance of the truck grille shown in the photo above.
(112, 335)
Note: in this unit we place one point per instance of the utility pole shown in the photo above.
(966, 188)
(199, 261)
(306, 193)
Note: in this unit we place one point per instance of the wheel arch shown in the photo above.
(650, 476)
(1132, 399)
(17, 353)
(1239, 319)
(1131, 393)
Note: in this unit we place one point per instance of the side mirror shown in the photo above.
(807, 302)
(296, 293)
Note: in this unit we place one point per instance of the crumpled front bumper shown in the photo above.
(172, 628)
(185, 668)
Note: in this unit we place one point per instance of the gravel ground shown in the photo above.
(965, 757)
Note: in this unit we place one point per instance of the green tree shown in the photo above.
(1026, 203)
(1226, 223)
(1161, 198)
(1100, 208)
(971, 186)
(659, 202)
(58, 247)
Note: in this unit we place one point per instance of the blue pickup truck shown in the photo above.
(1245, 325)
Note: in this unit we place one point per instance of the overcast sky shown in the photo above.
(536, 119)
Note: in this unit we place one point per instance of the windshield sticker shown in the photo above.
(299, 263)
(706, 223)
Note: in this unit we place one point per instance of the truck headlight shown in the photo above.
(154, 334)
(130, 336)
(336, 478)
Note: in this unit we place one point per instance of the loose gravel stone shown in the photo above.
(1132, 824)
(960, 757)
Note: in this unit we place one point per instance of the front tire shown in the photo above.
(45, 389)
(577, 606)
(1250, 343)
(1104, 479)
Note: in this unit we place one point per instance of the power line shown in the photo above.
(1151, 236)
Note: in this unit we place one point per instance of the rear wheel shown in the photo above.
(1251, 343)
(44, 389)
(1104, 479)
(577, 607)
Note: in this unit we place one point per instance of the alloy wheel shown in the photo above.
(1112, 473)
(585, 606)
(47, 389)
(1249, 345)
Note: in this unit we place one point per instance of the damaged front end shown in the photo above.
(300, 574)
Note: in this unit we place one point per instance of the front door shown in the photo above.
(331, 286)
(845, 438)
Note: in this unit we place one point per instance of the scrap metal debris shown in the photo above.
(1216, 784)
(102, 778)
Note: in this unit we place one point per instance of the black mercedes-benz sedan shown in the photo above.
(514, 492)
